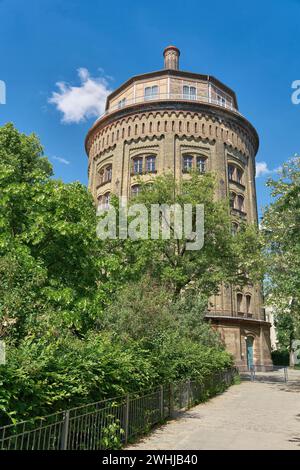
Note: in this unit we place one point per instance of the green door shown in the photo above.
(249, 343)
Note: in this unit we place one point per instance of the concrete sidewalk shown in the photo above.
(253, 415)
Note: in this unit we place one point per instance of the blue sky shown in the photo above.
(253, 47)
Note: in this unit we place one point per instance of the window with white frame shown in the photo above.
(151, 92)
(122, 103)
(150, 163)
(221, 100)
(138, 166)
(189, 92)
(201, 164)
(187, 163)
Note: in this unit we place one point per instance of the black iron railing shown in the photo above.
(111, 424)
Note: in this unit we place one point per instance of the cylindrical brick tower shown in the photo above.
(172, 120)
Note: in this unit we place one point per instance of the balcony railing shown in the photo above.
(231, 314)
(171, 97)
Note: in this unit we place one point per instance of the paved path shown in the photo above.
(253, 415)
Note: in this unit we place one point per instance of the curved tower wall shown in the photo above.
(168, 115)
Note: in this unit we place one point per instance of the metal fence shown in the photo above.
(110, 424)
(264, 373)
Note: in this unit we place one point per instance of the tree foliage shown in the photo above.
(281, 228)
(85, 319)
(224, 257)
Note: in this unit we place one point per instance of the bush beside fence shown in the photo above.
(111, 424)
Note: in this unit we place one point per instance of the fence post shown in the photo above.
(65, 431)
(161, 401)
(188, 393)
(127, 418)
(285, 374)
(171, 400)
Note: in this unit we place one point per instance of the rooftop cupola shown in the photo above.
(171, 55)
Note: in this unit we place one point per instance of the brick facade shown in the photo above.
(167, 127)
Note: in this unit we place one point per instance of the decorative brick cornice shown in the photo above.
(207, 110)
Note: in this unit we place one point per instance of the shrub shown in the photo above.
(281, 357)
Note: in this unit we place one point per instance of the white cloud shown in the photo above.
(78, 103)
(263, 170)
(62, 160)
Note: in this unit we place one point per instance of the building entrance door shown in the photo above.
(249, 344)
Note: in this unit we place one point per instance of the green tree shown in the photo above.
(85, 319)
(50, 262)
(224, 257)
(281, 228)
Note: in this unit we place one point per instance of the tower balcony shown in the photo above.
(170, 97)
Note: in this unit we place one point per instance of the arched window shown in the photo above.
(106, 200)
(135, 189)
(189, 92)
(235, 174)
(248, 303)
(232, 199)
(240, 203)
(105, 174)
(108, 173)
(239, 175)
(150, 163)
(151, 92)
(239, 302)
(231, 169)
(101, 176)
(187, 163)
(137, 166)
(122, 103)
(234, 228)
(201, 164)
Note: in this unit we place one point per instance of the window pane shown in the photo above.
(239, 175)
(148, 93)
(230, 172)
(106, 200)
(193, 92)
(108, 174)
(185, 91)
(232, 200)
(151, 92)
(135, 190)
(248, 303)
(122, 103)
(138, 166)
(150, 163)
(240, 203)
(154, 90)
(201, 164)
(239, 302)
(187, 162)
